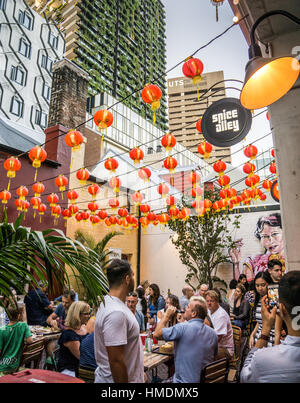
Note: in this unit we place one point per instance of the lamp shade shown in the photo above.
(267, 80)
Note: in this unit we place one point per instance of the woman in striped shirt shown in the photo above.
(261, 282)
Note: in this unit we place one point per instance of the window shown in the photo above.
(2, 5)
(47, 63)
(41, 118)
(17, 75)
(53, 40)
(24, 48)
(46, 91)
(16, 106)
(25, 19)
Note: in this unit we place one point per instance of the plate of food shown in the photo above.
(166, 349)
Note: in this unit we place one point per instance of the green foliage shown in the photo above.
(26, 255)
(203, 242)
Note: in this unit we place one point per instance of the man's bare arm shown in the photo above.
(117, 364)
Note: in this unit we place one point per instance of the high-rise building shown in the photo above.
(185, 109)
(29, 45)
(120, 43)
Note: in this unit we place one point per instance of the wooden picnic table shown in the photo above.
(153, 360)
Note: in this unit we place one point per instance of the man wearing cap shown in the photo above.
(37, 306)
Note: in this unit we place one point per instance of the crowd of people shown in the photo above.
(106, 339)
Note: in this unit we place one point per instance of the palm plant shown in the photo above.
(26, 255)
(97, 247)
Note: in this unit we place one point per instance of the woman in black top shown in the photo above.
(71, 337)
(241, 308)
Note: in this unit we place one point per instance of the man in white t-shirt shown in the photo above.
(222, 325)
(118, 348)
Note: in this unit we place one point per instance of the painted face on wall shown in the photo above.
(272, 239)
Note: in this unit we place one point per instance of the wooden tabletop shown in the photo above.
(152, 360)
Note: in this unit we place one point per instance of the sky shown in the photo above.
(190, 24)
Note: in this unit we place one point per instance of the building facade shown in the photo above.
(29, 45)
(185, 109)
(120, 43)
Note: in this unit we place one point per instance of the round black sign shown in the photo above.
(226, 122)
(275, 191)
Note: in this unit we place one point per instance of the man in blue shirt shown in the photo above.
(195, 344)
(37, 306)
(132, 301)
(281, 363)
(58, 317)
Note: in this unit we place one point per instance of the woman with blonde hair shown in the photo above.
(70, 339)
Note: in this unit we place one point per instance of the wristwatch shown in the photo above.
(264, 337)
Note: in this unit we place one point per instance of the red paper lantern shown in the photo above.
(85, 216)
(37, 155)
(145, 174)
(42, 209)
(111, 165)
(216, 207)
(52, 199)
(205, 149)
(224, 181)
(25, 205)
(74, 139)
(272, 168)
(94, 219)
(168, 141)
(137, 198)
(5, 195)
(38, 189)
(107, 222)
(185, 213)
(163, 189)
(164, 218)
(246, 195)
(12, 165)
(78, 217)
(193, 68)
(18, 204)
(263, 197)
(152, 94)
(252, 181)
(173, 212)
(102, 214)
(83, 175)
(114, 203)
(72, 195)
(194, 178)
(74, 209)
(103, 119)
(171, 200)
(273, 153)
(249, 168)
(198, 204)
(56, 211)
(66, 213)
(145, 208)
(220, 167)
(113, 220)
(207, 204)
(152, 217)
(115, 184)
(198, 126)
(123, 212)
(22, 192)
(61, 182)
(267, 184)
(250, 152)
(35, 202)
(170, 163)
(93, 207)
(222, 204)
(197, 192)
(93, 190)
(144, 222)
(131, 220)
(136, 154)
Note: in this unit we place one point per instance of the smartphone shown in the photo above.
(273, 296)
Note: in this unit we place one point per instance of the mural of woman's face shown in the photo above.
(272, 239)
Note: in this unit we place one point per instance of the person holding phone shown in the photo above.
(261, 283)
(277, 364)
(172, 300)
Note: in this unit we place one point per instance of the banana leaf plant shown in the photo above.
(27, 257)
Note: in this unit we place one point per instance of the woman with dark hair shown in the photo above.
(142, 303)
(156, 301)
(261, 282)
(243, 280)
(230, 292)
(241, 308)
(269, 232)
(172, 300)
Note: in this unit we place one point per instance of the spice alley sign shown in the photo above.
(226, 122)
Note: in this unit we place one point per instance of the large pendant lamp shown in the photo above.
(268, 79)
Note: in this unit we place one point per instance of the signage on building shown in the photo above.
(115, 253)
(275, 191)
(226, 122)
